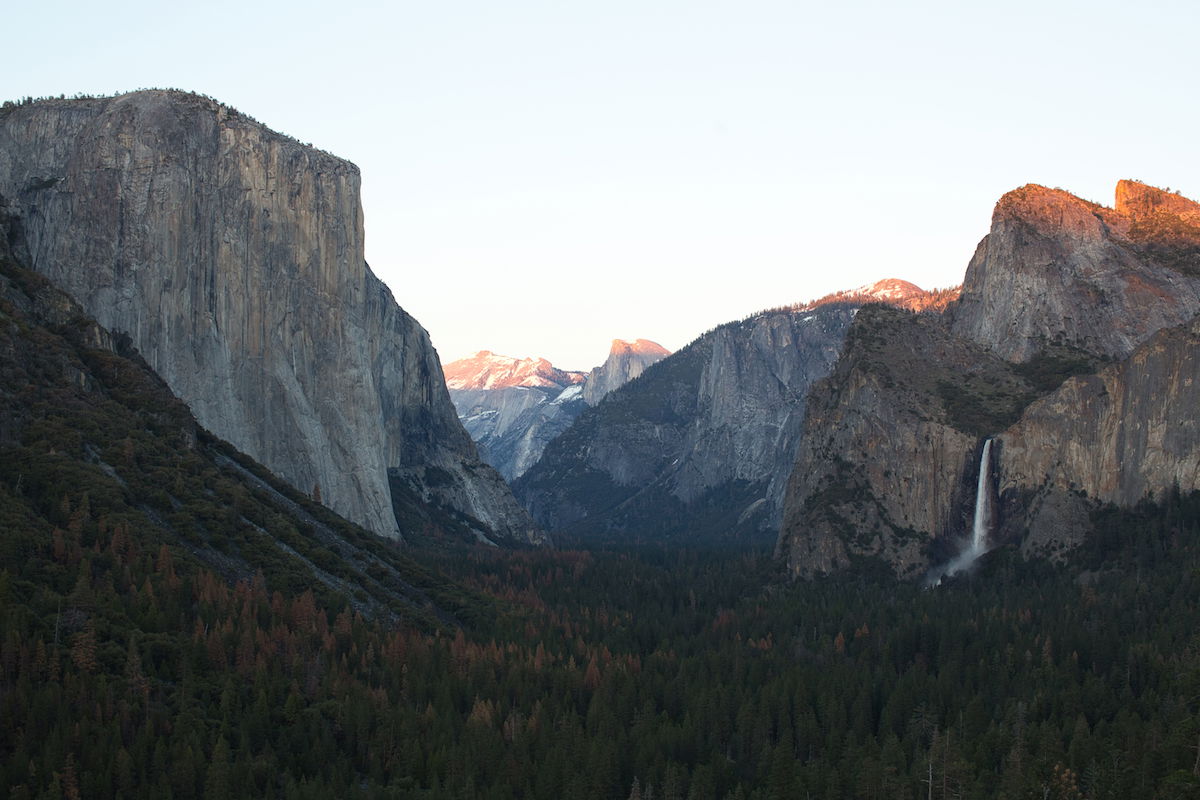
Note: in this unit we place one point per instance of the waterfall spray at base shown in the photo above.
(981, 525)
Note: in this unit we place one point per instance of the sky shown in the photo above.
(540, 178)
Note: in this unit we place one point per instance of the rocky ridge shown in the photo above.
(700, 445)
(1058, 269)
(233, 258)
(514, 407)
(487, 370)
(1072, 344)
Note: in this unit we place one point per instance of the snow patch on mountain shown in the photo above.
(488, 370)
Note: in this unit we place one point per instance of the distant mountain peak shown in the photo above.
(891, 291)
(488, 370)
(626, 361)
(638, 346)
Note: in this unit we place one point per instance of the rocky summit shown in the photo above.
(1072, 346)
(233, 258)
(1058, 269)
(626, 361)
(487, 370)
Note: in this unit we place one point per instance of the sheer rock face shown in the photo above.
(890, 451)
(514, 407)
(233, 257)
(1111, 437)
(884, 466)
(511, 426)
(703, 440)
(1055, 268)
(626, 361)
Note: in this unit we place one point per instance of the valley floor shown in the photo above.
(127, 671)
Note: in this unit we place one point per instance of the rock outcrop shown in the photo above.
(233, 258)
(890, 445)
(626, 361)
(702, 444)
(1112, 437)
(1060, 290)
(512, 426)
(1058, 269)
(513, 407)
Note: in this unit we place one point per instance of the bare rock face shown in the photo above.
(1058, 269)
(1111, 437)
(1073, 343)
(626, 361)
(513, 407)
(512, 426)
(702, 444)
(889, 447)
(233, 257)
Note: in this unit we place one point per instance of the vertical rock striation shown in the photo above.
(233, 257)
(1112, 437)
(1058, 269)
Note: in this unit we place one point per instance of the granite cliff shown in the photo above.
(1112, 437)
(890, 445)
(1072, 344)
(512, 407)
(233, 258)
(626, 361)
(1058, 269)
(94, 446)
(701, 445)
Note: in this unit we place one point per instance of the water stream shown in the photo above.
(983, 503)
(981, 525)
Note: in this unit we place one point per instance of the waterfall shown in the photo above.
(983, 502)
(981, 526)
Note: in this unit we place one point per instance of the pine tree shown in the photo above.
(217, 779)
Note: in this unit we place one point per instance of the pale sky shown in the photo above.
(540, 178)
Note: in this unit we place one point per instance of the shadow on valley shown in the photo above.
(131, 670)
